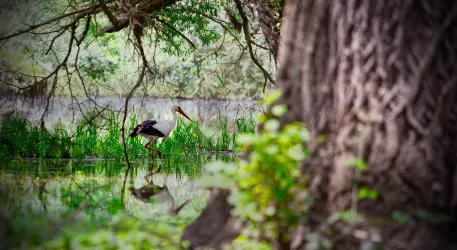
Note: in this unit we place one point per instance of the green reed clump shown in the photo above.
(96, 138)
(110, 145)
(20, 137)
(84, 141)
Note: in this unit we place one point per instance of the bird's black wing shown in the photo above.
(147, 127)
(148, 124)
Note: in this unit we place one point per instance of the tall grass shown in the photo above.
(102, 139)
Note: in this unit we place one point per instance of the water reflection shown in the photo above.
(57, 192)
(150, 192)
(41, 200)
(55, 188)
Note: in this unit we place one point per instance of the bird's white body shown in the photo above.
(164, 126)
(153, 129)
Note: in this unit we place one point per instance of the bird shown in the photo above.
(153, 129)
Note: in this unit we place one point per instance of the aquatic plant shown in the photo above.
(102, 139)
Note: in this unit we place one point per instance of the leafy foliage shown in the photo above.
(265, 185)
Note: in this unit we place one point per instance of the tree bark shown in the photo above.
(378, 80)
(215, 226)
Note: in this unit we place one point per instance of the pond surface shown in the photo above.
(56, 190)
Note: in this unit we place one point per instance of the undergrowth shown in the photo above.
(103, 139)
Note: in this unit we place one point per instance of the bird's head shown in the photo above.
(178, 109)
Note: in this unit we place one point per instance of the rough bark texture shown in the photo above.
(215, 226)
(378, 79)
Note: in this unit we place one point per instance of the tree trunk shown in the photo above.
(215, 226)
(378, 80)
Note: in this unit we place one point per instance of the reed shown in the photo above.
(102, 139)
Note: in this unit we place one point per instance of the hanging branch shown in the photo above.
(92, 9)
(85, 32)
(247, 37)
(127, 99)
(177, 31)
(108, 13)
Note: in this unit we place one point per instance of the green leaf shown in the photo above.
(272, 149)
(272, 96)
(246, 139)
(401, 218)
(215, 180)
(271, 210)
(350, 217)
(296, 152)
(356, 163)
(368, 193)
(435, 218)
(279, 110)
(272, 125)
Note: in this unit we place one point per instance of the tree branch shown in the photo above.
(108, 13)
(177, 31)
(84, 10)
(247, 37)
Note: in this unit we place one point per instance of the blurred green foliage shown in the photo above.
(264, 186)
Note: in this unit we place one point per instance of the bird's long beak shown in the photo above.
(184, 114)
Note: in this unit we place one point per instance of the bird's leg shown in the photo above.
(152, 148)
(152, 156)
(159, 153)
(152, 152)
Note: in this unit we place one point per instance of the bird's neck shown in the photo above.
(175, 116)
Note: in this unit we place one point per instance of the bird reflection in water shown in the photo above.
(160, 194)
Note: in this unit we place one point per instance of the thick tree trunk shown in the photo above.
(378, 79)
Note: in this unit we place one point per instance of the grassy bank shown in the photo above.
(103, 139)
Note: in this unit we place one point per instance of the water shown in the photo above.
(66, 109)
(56, 190)
(54, 193)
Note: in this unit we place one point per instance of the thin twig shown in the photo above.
(86, 10)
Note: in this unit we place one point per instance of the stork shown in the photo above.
(153, 129)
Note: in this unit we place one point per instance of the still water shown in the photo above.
(57, 192)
